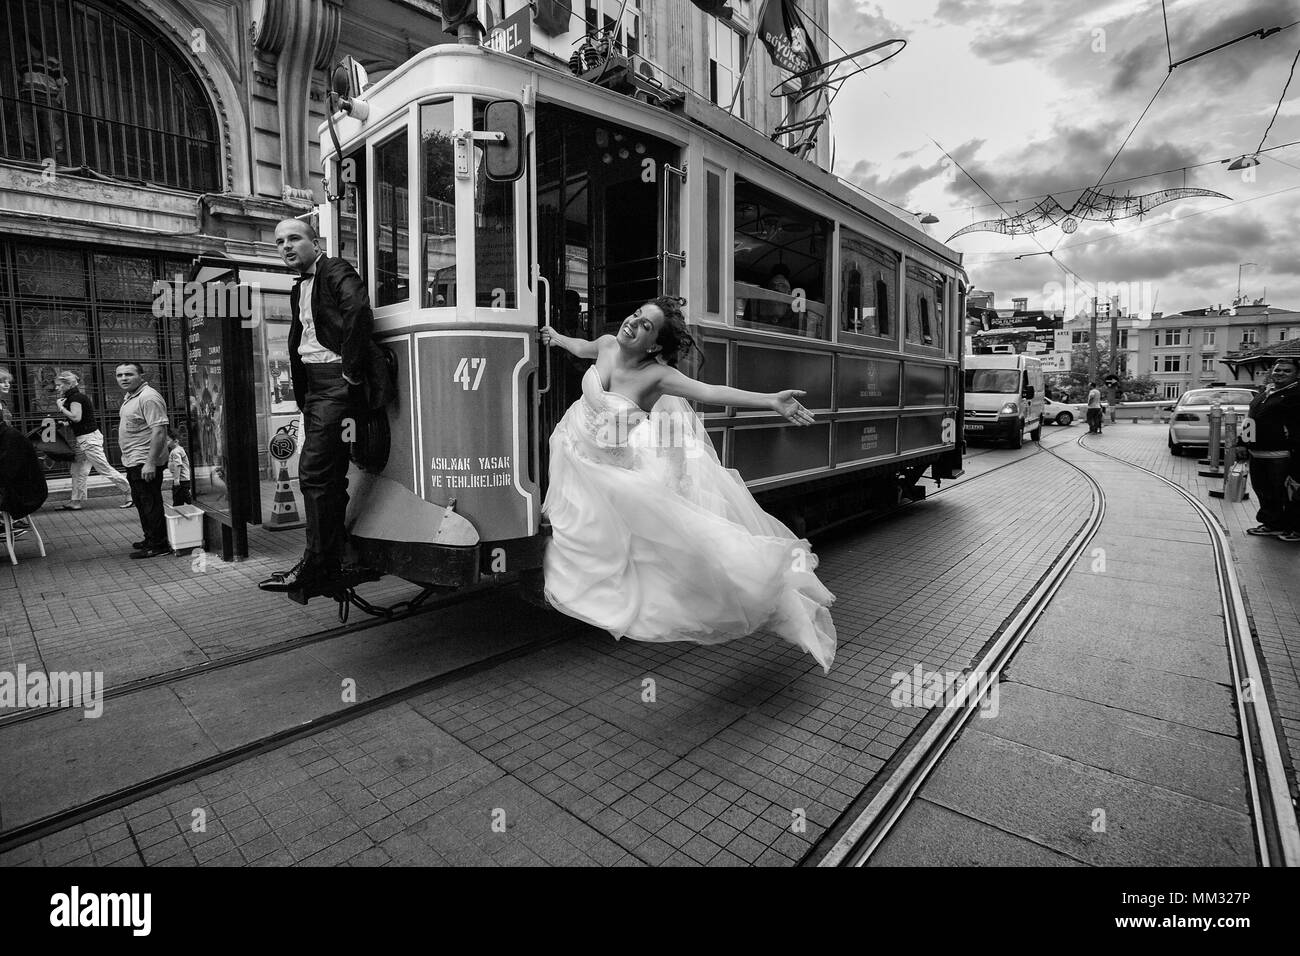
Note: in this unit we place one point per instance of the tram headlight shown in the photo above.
(1010, 408)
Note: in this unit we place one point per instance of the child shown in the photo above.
(178, 463)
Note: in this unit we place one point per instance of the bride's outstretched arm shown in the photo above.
(582, 348)
(786, 403)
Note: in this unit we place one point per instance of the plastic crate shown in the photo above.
(184, 526)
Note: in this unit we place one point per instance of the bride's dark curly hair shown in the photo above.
(675, 339)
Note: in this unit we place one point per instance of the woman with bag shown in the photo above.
(77, 408)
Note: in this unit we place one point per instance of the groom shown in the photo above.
(329, 344)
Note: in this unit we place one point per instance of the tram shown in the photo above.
(482, 195)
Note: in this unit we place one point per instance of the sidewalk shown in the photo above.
(1116, 740)
(87, 607)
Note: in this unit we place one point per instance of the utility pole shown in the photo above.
(1092, 343)
(1114, 357)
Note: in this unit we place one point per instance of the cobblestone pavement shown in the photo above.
(1269, 569)
(597, 751)
(88, 607)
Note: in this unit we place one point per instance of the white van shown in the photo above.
(1004, 397)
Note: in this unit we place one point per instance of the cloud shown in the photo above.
(1196, 31)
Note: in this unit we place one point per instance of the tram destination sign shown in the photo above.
(512, 35)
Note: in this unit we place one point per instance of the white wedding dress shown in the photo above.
(654, 540)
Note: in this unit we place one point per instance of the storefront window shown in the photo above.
(86, 310)
(780, 265)
(438, 226)
(868, 286)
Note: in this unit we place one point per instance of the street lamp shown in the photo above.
(927, 218)
(1245, 162)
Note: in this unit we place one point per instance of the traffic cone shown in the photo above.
(284, 506)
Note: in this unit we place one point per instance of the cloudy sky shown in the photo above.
(1034, 97)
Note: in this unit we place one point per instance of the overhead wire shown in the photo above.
(1277, 108)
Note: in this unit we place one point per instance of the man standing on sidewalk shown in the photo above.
(1094, 409)
(329, 344)
(1272, 433)
(142, 437)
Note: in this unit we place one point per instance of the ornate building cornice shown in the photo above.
(300, 36)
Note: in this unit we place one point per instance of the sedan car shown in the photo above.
(1054, 411)
(1189, 423)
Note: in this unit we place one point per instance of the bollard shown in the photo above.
(1228, 449)
(1215, 454)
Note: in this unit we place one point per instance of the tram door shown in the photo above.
(600, 235)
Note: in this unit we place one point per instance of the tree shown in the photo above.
(1074, 383)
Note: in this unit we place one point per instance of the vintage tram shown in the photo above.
(481, 195)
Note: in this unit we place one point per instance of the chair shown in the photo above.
(8, 526)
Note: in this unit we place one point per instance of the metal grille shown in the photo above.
(86, 310)
(85, 86)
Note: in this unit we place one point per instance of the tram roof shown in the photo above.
(704, 115)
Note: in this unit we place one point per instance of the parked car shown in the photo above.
(1189, 423)
(1059, 412)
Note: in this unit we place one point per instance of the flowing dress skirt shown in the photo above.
(654, 540)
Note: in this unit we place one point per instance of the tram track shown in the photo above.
(278, 649)
(862, 828)
(1273, 808)
(80, 813)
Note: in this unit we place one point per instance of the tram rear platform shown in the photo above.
(490, 732)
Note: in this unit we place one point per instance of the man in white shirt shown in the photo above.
(328, 343)
(142, 439)
(1094, 409)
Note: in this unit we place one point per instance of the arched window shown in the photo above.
(84, 83)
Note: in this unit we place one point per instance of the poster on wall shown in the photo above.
(205, 366)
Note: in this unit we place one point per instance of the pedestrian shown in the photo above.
(178, 463)
(1272, 444)
(142, 436)
(77, 408)
(1094, 409)
(6, 391)
(22, 479)
(329, 343)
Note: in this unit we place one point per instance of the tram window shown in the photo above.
(494, 233)
(780, 264)
(712, 242)
(352, 213)
(438, 215)
(392, 231)
(925, 293)
(868, 275)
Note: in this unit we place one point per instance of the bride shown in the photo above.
(652, 538)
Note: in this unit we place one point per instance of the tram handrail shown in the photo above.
(544, 360)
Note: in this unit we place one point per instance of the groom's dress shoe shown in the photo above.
(304, 575)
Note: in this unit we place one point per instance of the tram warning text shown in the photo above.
(477, 472)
